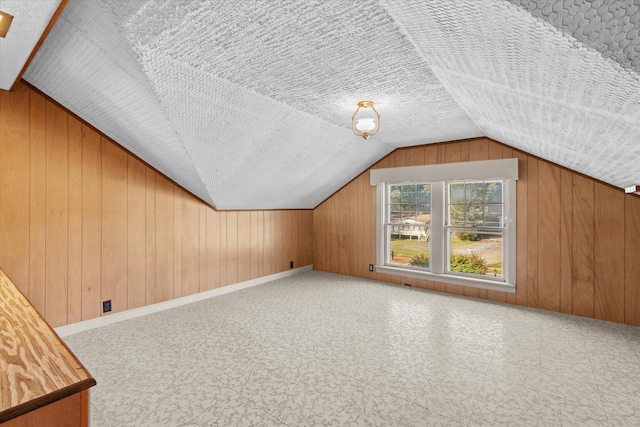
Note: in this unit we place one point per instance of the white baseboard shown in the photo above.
(74, 328)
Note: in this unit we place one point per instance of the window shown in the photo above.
(446, 229)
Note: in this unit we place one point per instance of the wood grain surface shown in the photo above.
(36, 368)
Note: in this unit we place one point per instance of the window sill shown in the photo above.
(446, 278)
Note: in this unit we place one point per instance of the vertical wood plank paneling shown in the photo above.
(114, 225)
(296, 218)
(57, 214)
(268, 244)
(74, 299)
(260, 259)
(508, 153)
(202, 210)
(190, 245)
(583, 241)
(164, 239)
(256, 261)
(609, 256)
(549, 236)
(566, 245)
(37, 199)
(136, 233)
(91, 223)
(150, 235)
(178, 195)
(631, 265)
(232, 248)
(244, 246)
(14, 178)
(532, 232)
(213, 249)
(224, 281)
(496, 152)
(359, 252)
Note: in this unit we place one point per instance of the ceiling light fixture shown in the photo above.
(368, 122)
(5, 22)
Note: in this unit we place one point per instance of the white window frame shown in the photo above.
(505, 170)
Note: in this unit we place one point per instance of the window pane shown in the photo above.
(408, 188)
(423, 192)
(395, 194)
(456, 193)
(456, 214)
(474, 192)
(423, 214)
(408, 245)
(493, 215)
(476, 251)
(475, 215)
(408, 198)
(494, 192)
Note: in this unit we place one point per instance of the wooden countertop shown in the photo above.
(36, 367)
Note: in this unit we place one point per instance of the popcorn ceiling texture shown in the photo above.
(527, 84)
(248, 104)
(609, 26)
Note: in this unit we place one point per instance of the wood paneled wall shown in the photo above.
(83, 221)
(578, 240)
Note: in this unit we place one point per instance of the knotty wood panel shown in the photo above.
(632, 266)
(244, 246)
(255, 244)
(549, 236)
(82, 221)
(164, 239)
(74, 302)
(566, 236)
(14, 176)
(178, 194)
(566, 239)
(583, 246)
(37, 199)
(114, 226)
(608, 253)
(150, 235)
(190, 246)
(36, 364)
(91, 223)
(232, 247)
(57, 214)
(213, 249)
(136, 233)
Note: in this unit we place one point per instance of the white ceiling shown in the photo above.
(30, 19)
(247, 104)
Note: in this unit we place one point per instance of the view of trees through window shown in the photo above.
(473, 230)
(475, 221)
(408, 223)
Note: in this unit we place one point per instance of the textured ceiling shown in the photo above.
(30, 19)
(247, 104)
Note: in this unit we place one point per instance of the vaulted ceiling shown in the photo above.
(247, 104)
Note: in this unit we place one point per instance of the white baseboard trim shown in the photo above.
(74, 328)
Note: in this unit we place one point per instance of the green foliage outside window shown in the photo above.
(421, 260)
(472, 263)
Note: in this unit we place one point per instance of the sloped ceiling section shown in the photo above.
(247, 104)
(530, 83)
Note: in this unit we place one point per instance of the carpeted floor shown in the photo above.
(320, 349)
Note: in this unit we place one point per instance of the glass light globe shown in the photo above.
(365, 124)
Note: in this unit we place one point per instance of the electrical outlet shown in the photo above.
(106, 306)
(370, 267)
(290, 264)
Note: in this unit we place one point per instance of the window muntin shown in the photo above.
(475, 229)
(407, 225)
